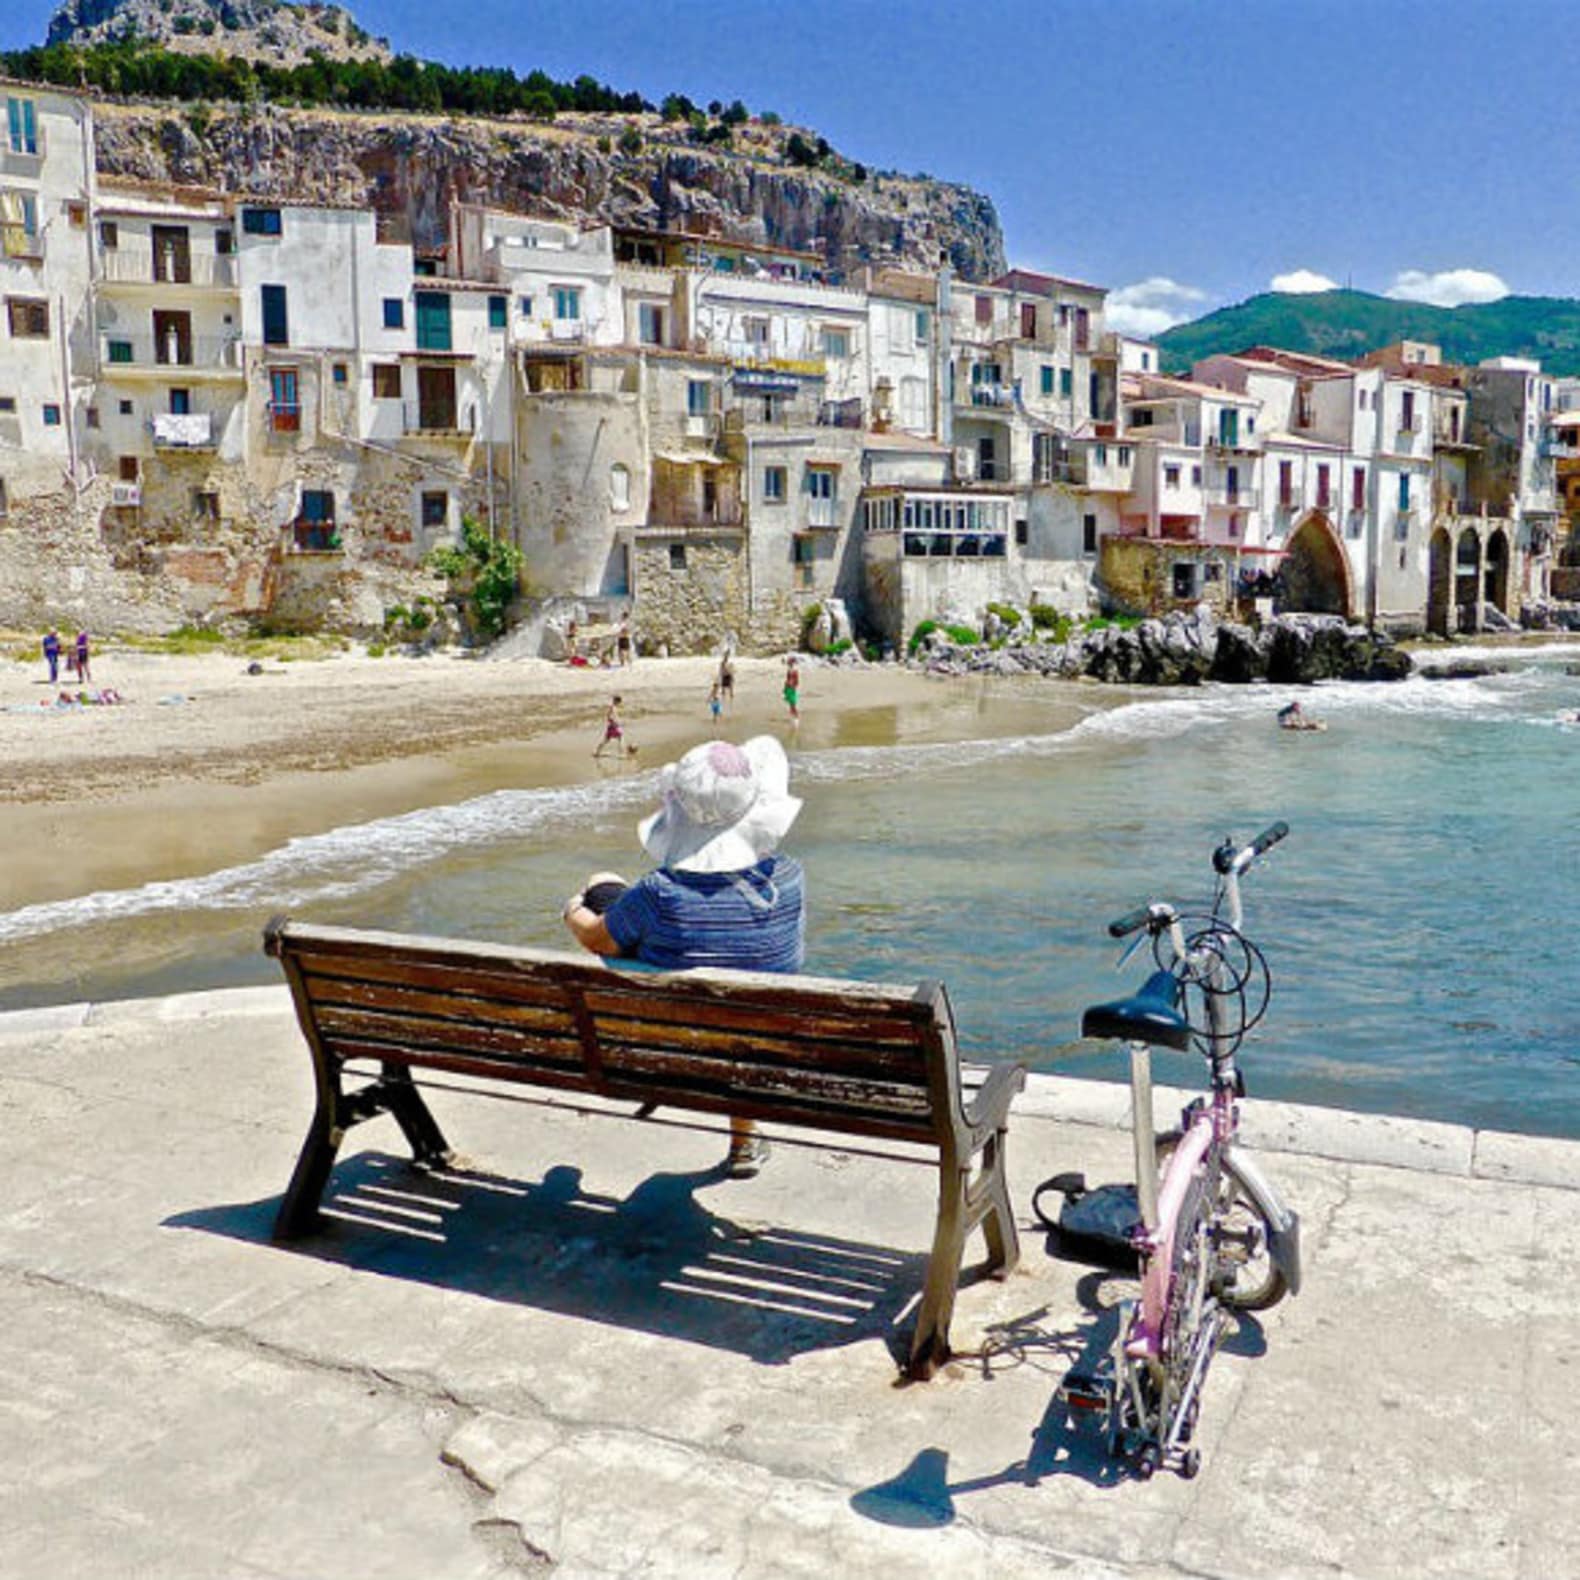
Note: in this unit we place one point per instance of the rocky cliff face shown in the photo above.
(413, 166)
(264, 30)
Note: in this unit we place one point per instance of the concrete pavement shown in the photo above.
(587, 1354)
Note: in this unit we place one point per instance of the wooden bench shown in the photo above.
(857, 1058)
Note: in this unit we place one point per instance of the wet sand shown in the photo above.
(109, 797)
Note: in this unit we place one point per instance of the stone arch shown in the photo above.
(1467, 579)
(1315, 571)
(1440, 584)
(1495, 572)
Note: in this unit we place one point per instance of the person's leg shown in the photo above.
(748, 1150)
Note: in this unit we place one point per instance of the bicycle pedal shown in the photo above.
(1084, 1391)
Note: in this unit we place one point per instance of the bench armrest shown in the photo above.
(989, 1111)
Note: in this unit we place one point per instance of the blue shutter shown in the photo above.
(276, 320)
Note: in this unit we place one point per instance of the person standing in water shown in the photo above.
(792, 691)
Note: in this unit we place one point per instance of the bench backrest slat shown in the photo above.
(868, 1058)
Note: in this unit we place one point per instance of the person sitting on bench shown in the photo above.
(720, 895)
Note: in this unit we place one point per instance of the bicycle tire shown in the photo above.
(1260, 1285)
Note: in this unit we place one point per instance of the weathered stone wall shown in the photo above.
(690, 610)
(1137, 575)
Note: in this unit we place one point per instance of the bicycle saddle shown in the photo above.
(1151, 1016)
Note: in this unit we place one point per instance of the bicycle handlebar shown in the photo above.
(1227, 859)
(1125, 925)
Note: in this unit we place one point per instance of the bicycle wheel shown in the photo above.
(1247, 1278)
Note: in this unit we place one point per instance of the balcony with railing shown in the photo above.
(153, 354)
(440, 420)
(149, 266)
(1236, 497)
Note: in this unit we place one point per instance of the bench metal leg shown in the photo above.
(997, 1215)
(298, 1213)
(399, 1095)
(962, 1206)
(930, 1345)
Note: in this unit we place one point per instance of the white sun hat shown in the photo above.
(725, 807)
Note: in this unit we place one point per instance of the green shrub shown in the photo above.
(963, 635)
(844, 645)
(1008, 614)
(924, 630)
(630, 141)
(1046, 618)
(485, 571)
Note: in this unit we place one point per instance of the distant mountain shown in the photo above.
(265, 30)
(1347, 324)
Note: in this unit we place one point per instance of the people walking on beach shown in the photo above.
(84, 674)
(715, 706)
(727, 677)
(614, 733)
(52, 654)
(570, 641)
(622, 641)
(792, 691)
(720, 895)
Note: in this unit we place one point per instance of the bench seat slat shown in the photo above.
(344, 993)
(420, 1031)
(563, 1077)
(903, 1066)
(814, 1019)
(502, 985)
(688, 1071)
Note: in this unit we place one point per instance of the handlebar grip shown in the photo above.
(1268, 838)
(1126, 925)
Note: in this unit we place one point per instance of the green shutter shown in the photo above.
(433, 321)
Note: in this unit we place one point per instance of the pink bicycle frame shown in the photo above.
(1161, 1202)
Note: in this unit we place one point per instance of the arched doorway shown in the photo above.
(1440, 584)
(1467, 580)
(1315, 572)
(1495, 576)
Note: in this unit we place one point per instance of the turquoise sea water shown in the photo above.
(1417, 920)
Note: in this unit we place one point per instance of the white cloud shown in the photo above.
(1150, 306)
(1447, 287)
(1301, 282)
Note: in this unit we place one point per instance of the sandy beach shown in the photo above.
(204, 765)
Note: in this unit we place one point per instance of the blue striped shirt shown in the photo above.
(743, 921)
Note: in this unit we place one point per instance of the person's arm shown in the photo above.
(588, 928)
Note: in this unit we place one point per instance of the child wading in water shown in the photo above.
(715, 706)
(614, 733)
(792, 691)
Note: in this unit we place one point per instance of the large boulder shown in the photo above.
(1240, 655)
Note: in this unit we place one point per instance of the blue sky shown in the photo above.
(1183, 152)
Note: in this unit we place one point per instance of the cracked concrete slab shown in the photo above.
(586, 1354)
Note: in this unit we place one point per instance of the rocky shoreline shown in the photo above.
(1181, 650)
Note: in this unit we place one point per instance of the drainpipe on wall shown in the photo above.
(512, 371)
(943, 317)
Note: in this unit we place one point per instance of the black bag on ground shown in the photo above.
(1093, 1226)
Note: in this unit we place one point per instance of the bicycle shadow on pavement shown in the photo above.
(921, 1494)
(656, 1261)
